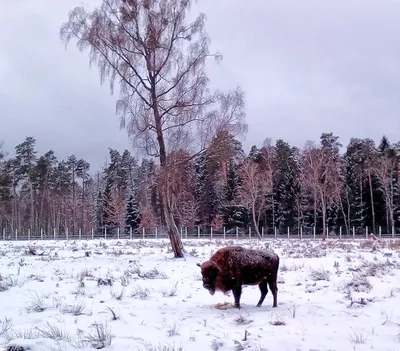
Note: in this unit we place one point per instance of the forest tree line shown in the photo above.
(272, 186)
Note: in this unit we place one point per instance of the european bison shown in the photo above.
(233, 266)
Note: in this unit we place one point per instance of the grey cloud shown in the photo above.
(313, 66)
(307, 67)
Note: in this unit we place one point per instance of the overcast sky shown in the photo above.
(307, 67)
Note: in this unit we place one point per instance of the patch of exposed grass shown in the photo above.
(140, 293)
(54, 332)
(358, 336)
(36, 303)
(75, 309)
(100, 336)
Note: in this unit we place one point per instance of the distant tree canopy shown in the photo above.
(273, 186)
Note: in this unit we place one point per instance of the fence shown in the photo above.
(193, 233)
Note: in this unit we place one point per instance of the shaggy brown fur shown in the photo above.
(233, 266)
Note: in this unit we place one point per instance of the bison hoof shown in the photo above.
(258, 305)
(236, 305)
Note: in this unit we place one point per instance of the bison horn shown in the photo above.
(198, 264)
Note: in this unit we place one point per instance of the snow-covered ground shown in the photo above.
(332, 296)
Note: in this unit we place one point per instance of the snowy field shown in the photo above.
(132, 295)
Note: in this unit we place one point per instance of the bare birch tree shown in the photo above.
(320, 176)
(385, 169)
(178, 180)
(116, 208)
(256, 184)
(159, 61)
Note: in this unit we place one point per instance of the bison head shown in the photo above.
(209, 271)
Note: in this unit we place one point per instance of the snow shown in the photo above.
(338, 295)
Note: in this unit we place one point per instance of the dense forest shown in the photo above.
(273, 186)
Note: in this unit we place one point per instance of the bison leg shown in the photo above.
(274, 288)
(237, 292)
(264, 291)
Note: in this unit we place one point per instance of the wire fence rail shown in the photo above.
(193, 233)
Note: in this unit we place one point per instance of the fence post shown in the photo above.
(380, 232)
(92, 233)
(224, 233)
(366, 232)
(16, 234)
(4, 234)
(211, 231)
(340, 232)
(327, 232)
(80, 234)
(275, 233)
(105, 233)
(41, 233)
(156, 232)
(314, 232)
(354, 232)
(237, 233)
(130, 233)
(288, 233)
(66, 233)
(301, 233)
(181, 232)
(29, 234)
(54, 234)
(392, 231)
(143, 233)
(118, 233)
(198, 232)
(249, 233)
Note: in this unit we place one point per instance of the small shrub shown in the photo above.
(13, 334)
(124, 280)
(105, 282)
(5, 325)
(320, 274)
(7, 283)
(277, 319)
(117, 295)
(216, 344)
(100, 337)
(85, 273)
(79, 291)
(171, 292)
(76, 310)
(150, 347)
(36, 303)
(242, 320)
(359, 283)
(53, 332)
(358, 336)
(132, 272)
(140, 293)
(152, 274)
(172, 331)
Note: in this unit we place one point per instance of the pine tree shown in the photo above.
(286, 185)
(234, 214)
(107, 207)
(25, 160)
(132, 214)
(331, 145)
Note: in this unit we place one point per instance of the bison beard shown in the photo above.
(233, 266)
